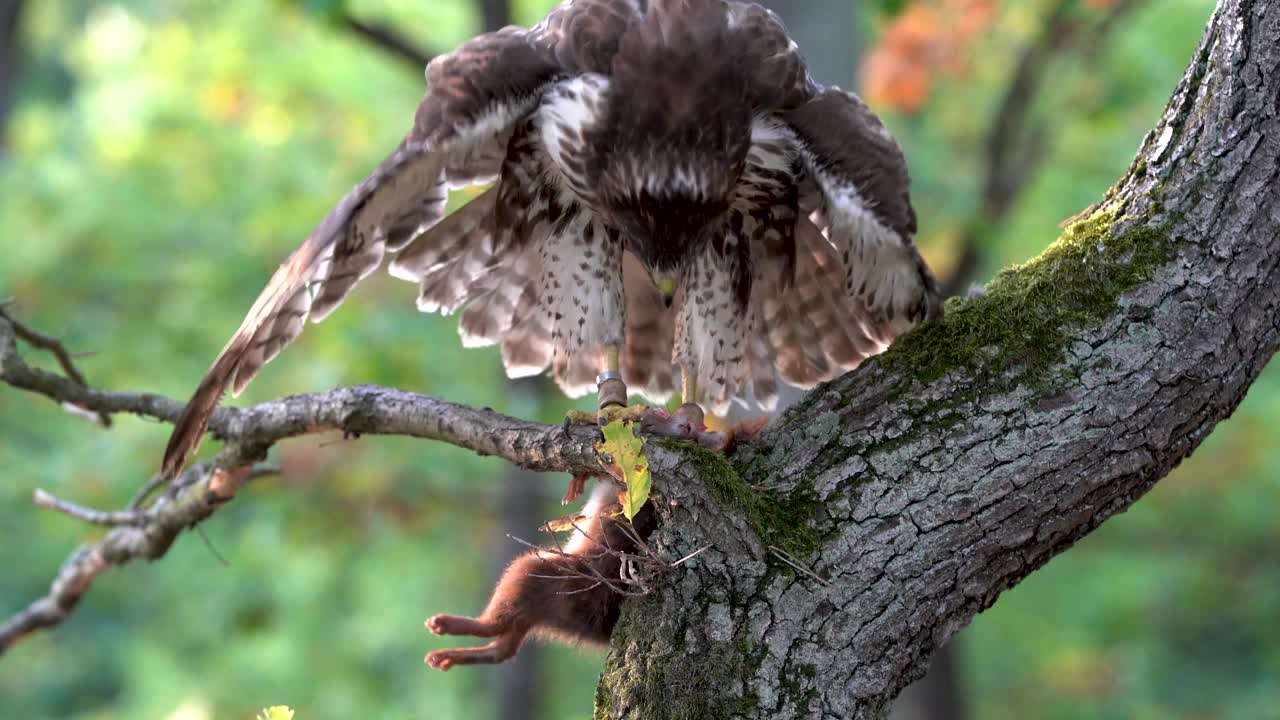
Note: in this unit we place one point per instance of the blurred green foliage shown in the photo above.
(165, 155)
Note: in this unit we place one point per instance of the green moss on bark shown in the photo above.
(643, 673)
(1024, 320)
(784, 521)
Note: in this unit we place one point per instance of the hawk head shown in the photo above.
(672, 136)
(665, 219)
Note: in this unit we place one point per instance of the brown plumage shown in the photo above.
(635, 144)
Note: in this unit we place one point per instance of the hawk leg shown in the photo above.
(611, 395)
(610, 390)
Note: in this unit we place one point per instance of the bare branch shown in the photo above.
(147, 532)
(89, 515)
(149, 539)
(56, 348)
(356, 410)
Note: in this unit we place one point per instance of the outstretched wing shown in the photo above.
(857, 191)
(475, 96)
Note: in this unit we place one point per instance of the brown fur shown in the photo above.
(559, 606)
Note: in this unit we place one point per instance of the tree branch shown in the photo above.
(356, 410)
(147, 532)
(49, 344)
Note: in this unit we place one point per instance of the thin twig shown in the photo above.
(145, 491)
(787, 558)
(570, 573)
(692, 555)
(138, 533)
(148, 539)
(51, 345)
(89, 515)
(208, 544)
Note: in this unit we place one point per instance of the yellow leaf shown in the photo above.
(629, 465)
(276, 712)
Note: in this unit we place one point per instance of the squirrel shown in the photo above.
(550, 594)
(554, 594)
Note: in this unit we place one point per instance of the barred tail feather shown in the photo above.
(646, 356)
(491, 312)
(527, 349)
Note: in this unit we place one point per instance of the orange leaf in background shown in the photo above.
(897, 72)
(929, 37)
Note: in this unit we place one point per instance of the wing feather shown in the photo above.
(857, 187)
(475, 96)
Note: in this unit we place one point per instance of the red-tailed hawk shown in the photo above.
(674, 198)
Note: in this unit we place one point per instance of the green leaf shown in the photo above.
(629, 465)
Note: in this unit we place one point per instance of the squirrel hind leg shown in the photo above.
(498, 651)
(460, 625)
(507, 630)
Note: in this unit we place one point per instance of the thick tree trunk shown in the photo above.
(917, 489)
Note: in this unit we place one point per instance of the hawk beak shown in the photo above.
(667, 288)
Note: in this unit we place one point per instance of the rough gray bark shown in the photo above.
(937, 484)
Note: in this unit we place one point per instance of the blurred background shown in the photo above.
(158, 159)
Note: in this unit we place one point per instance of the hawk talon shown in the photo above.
(579, 417)
(626, 413)
(604, 416)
